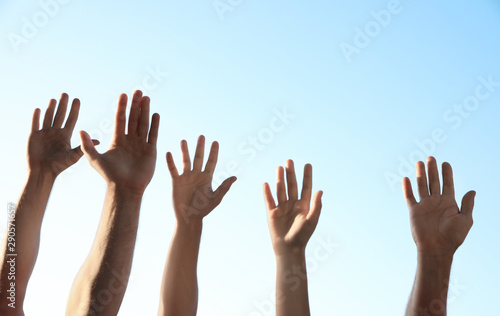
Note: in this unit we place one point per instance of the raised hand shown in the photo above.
(127, 167)
(131, 159)
(49, 154)
(49, 148)
(193, 199)
(291, 224)
(193, 196)
(438, 226)
(292, 221)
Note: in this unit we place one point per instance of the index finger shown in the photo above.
(448, 186)
(408, 192)
(307, 184)
(73, 115)
(121, 115)
(35, 123)
(268, 197)
(212, 158)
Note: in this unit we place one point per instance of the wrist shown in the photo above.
(189, 226)
(436, 255)
(282, 249)
(292, 254)
(187, 217)
(45, 179)
(435, 260)
(124, 191)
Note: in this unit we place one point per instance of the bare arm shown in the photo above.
(127, 167)
(193, 199)
(291, 225)
(49, 154)
(438, 227)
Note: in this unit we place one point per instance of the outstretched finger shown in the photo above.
(35, 123)
(212, 158)
(153, 132)
(268, 197)
(199, 154)
(61, 111)
(75, 154)
(280, 185)
(223, 189)
(49, 114)
(448, 186)
(468, 203)
(291, 180)
(315, 210)
(88, 146)
(423, 190)
(186, 160)
(171, 166)
(307, 184)
(432, 169)
(408, 192)
(73, 115)
(121, 115)
(135, 111)
(143, 127)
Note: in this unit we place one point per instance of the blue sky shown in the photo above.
(417, 86)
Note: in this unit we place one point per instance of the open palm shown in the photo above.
(193, 196)
(131, 159)
(49, 148)
(292, 222)
(437, 224)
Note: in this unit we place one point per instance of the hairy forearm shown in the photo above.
(25, 225)
(291, 285)
(179, 292)
(430, 290)
(101, 282)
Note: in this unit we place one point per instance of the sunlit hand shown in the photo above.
(193, 196)
(438, 226)
(131, 159)
(293, 221)
(49, 148)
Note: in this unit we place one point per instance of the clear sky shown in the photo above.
(358, 92)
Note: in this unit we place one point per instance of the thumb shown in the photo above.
(315, 210)
(88, 146)
(77, 153)
(223, 188)
(468, 203)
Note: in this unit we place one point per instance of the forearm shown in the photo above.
(291, 285)
(20, 251)
(430, 290)
(179, 292)
(101, 282)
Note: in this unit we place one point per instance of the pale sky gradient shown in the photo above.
(359, 119)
